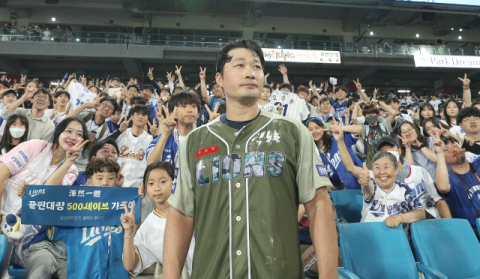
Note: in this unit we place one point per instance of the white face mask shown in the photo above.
(17, 132)
(394, 153)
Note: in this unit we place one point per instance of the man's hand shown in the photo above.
(169, 123)
(177, 70)
(283, 69)
(124, 124)
(466, 82)
(170, 77)
(214, 114)
(438, 145)
(202, 74)
(23, 80)
(358, 85)
(150, 73)
(364, 177)
(336, 130)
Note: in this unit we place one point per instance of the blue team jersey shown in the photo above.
(340, 109)
(87, 251)
(332, 172)
(203, 117)
(462, 204)
(153, 112)
(170, 150)
(333, 156)
(111, 126)
(213, 102)
(81, 179)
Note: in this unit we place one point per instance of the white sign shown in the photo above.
(333, 81)
(446, 61)
(301, 55)
(79, 95)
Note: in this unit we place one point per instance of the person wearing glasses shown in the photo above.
(40, 125)
(94, 115)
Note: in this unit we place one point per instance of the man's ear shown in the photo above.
(219, 79)
(461, 125)
(89, 182)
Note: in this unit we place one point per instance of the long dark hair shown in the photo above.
(420, 138)
(61, 128)
(435, 123)
(7, 137)
(327, 141)
(447, 117)
(422, 107)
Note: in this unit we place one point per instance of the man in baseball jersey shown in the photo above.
(241, 178)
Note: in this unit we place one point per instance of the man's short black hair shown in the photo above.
(101, 165)
(60, 92)
(183, 98)
(467, 112)
(116, 78)
(392, 100)
(285, 85)
(159, 80)
(223, 56)
(222, 108)
(269, 87)
(5, 83)
(111, 100)
(212, 84)
(148, 87)
(134, 86)
(100, 144)
(326, 100)
(46, 92)
(138, 100)
(452, 140)
(141, 109)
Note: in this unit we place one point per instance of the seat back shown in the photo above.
(372, 250)
(448, 245)
(348, 204)
(478, 226)
(3, 251)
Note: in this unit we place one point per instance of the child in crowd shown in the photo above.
(263, 100)
(16, 132)
(146, 248)
(61, 108)
(8, 97)
(100, 256)
(183, 109)
(132, 143)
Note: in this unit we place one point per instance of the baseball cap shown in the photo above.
(9, 91)
(387, 140)
(330, 115)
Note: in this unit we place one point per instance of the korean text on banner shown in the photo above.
(302, 55)
(77, 206)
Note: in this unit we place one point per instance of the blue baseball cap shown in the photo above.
(330, 115)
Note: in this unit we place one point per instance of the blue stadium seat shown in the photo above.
(449, 245)
(16, 273)
(374, 251)
(478, 226)
(348, 204)
(3, 250)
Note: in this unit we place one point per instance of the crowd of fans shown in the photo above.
(413, 157)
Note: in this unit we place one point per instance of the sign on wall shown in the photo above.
(446, 61)
(301, 55)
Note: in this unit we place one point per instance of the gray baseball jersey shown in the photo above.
(243, 189)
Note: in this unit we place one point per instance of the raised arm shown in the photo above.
(393, 113)
(353, 129)
(343, 151)
(169, 125)
(130, 258)
(77, 111)
(467, 94)
(25, 97)
(57, 177)
(283, 70)
(367, 185)
(179, 75)
(441, 178)
(203, 85)
(358, 85)
(355, 112)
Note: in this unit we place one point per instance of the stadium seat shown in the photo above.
(478, 226)
(348, 204)
(3, 249)
(372, 250)
(16, 273)
(448, 245)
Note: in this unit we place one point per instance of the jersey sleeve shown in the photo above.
(430, 186)
(145, 257)
(20, 156)
(182, 197)
(151, 146)
(349, 139)
(311, 173)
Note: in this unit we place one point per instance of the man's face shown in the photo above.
(265, 94)
(116, 116)
(315, 102)
(165, 93)
(470, 124)
(341, 95)
(217, 91)
(243, 76)
(105, 109)
(160, 84)
(303, 95)
(107, 151)
(454, 154)
(139, 119)
(394, 105)
(9, 98)
(132, 92)
(115, 83)
(147, 94)
(187, 113)
(41, 101)
(62, 100)
(325, 107)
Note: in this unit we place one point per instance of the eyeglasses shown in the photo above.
(107, 106)
(41, 97)
(407, 131)
(469, 119)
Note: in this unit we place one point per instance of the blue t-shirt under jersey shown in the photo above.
(462, 204)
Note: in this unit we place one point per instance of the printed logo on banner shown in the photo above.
(322, 171)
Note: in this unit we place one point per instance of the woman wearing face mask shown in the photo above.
(15, 133)
(328, 151)
(418, 150)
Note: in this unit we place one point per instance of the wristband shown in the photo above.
(421, 146)
(130, 236)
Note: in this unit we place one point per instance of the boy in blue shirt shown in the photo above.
(94, 252)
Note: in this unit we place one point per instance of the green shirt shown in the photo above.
(243, 189)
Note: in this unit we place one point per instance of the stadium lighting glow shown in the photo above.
(459, 37)
(54, 83)
(460, 29)
(371, 33)
(417, 35)
(279, 47)
(54, 19)
(403, 91)
(51, 39)
(78, 40)
(453, 29)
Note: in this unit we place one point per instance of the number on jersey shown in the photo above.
(285, 107)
